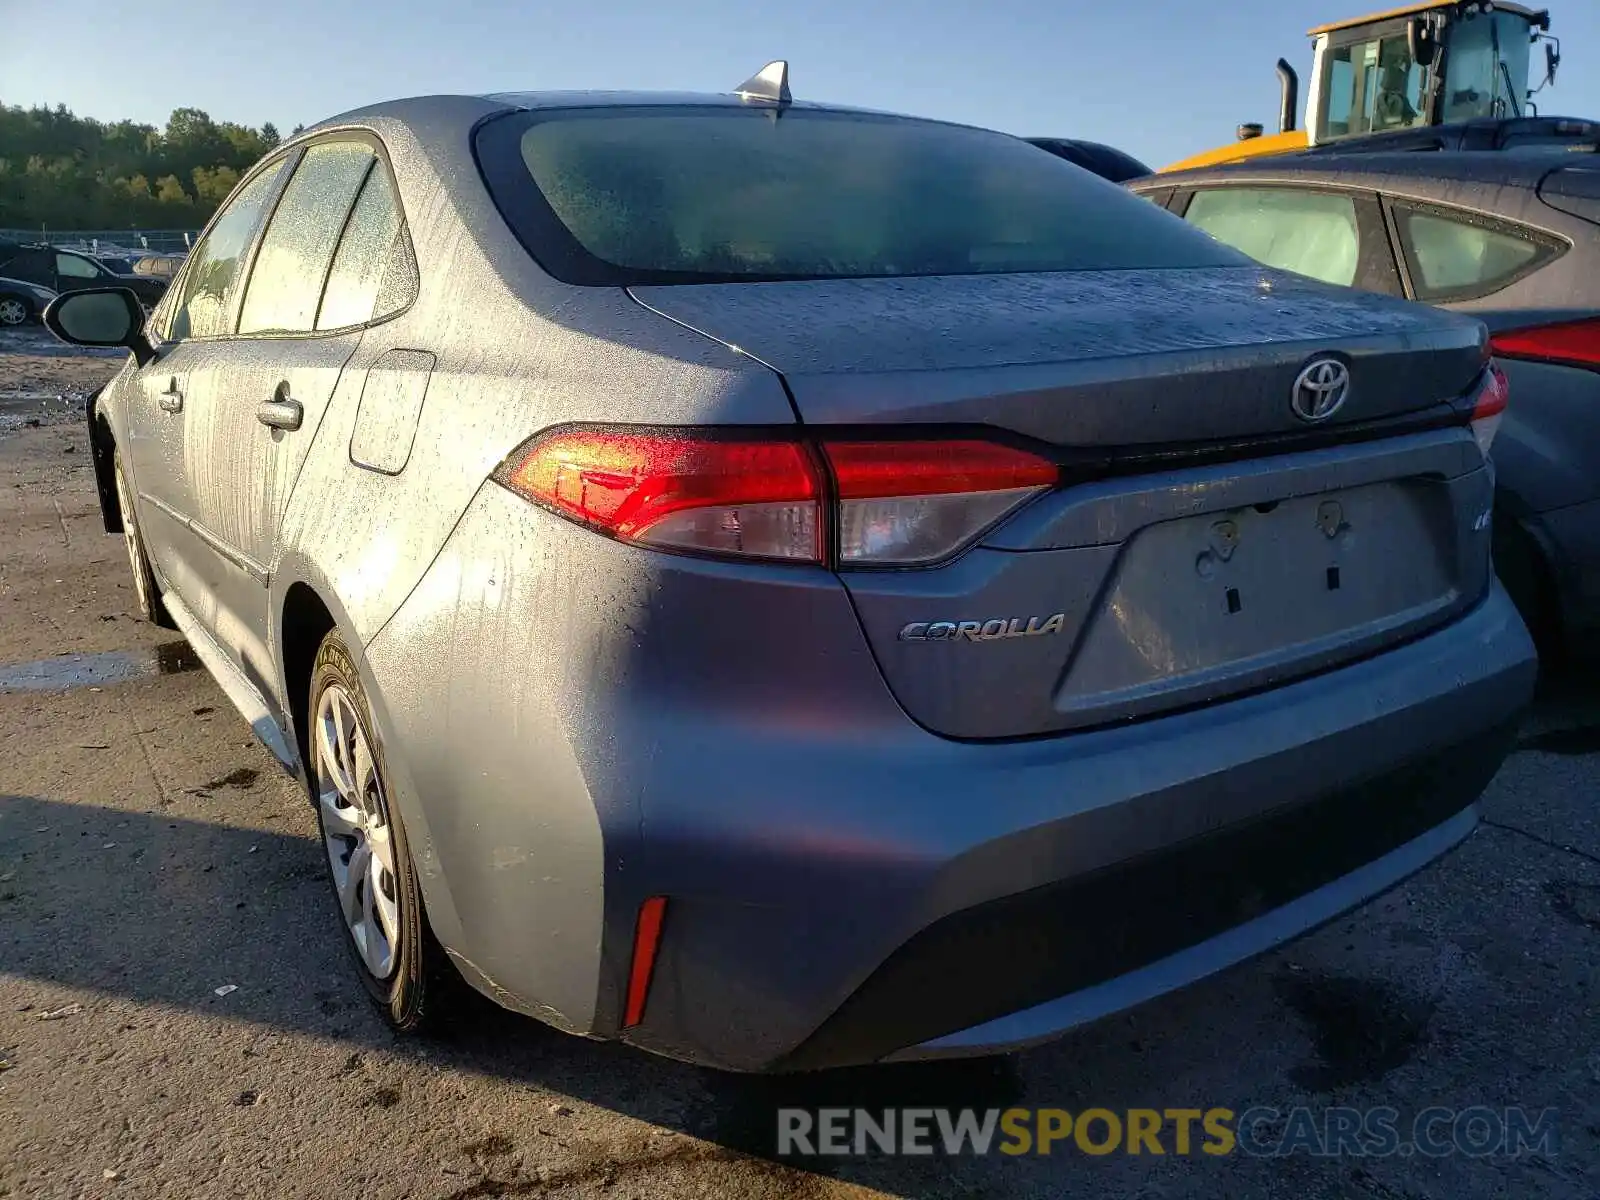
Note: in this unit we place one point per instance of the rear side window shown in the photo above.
(202, 310)
(1457, 256)
(297, 248)
(373, 246)
(691, 194)
(1310, 233)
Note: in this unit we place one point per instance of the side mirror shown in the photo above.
(1422, 41)
(107, 316)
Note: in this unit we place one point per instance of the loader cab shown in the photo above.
(1428, 65)
(1431, 63)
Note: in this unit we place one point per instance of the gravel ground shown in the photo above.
(152, 857)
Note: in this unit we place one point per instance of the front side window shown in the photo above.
(70, 266)
(1310, 233)
(202, 310)
(297, 247)
(1454, 256)
(690, 194)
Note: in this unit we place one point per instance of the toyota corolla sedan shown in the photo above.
(786, 586)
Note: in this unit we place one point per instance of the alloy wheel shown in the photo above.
(356, 831)
(12, 312)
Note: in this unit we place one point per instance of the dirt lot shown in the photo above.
(152, 857)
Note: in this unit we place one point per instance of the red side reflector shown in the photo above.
(646, 938)
(1571, 343)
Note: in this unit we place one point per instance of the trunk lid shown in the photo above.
(1085, 358)
(1122, 596)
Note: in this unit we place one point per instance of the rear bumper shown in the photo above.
(842, 885)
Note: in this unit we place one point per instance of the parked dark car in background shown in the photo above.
(1105, 161)
(21, 301)
(1512, 238)
(72, 271)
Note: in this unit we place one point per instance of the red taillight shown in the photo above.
(1490, 406)
(646, 941)
(899, 503)
(756, 499)
(1569, 343)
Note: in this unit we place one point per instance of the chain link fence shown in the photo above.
(109, 241)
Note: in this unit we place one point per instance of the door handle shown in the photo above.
(171, 400)
(281, 412)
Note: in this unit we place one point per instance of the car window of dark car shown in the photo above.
(1458, 255)
(373, 242)
(1310, 233)
(297, 247)
(202, 309)
(32, 266)
(688, 194)
(74, 266)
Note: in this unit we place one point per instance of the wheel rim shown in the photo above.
(12, 312)
(356, 832)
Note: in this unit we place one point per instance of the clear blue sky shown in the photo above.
(1159, 78)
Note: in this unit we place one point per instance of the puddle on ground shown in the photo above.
(68, 671)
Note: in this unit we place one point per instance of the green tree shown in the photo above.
(170, 191)
(61, 171)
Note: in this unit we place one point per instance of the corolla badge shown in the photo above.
(993, 630)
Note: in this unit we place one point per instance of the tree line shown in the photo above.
(62, 171)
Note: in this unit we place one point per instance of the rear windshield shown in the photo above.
(687, 194)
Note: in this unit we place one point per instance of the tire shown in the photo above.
(1522, 568)
(405, 972)
(14, 311)
(147, 595)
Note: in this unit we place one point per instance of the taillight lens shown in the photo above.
(686, 492)
(904, 503)
(1489, 407)
(893, 503)
(1568, 343)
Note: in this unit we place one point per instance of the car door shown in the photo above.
(74, 272)
(313, 288)
(1333, 234)
(188, 333)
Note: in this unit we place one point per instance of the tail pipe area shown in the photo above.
(1288, 96)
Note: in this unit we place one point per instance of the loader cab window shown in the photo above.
(1371, 86)
(1486, 67)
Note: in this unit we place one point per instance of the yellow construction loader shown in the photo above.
(1434, 63)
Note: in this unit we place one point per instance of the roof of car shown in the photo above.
(1526, 167)
(408, 107)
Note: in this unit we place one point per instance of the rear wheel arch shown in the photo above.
(306, 619)
(1524, 562)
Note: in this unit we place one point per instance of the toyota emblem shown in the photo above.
(1320, 389)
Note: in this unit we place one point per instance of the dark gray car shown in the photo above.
(1512, 238)
(787, 586)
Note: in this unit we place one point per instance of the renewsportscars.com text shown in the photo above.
(1261, 1131)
